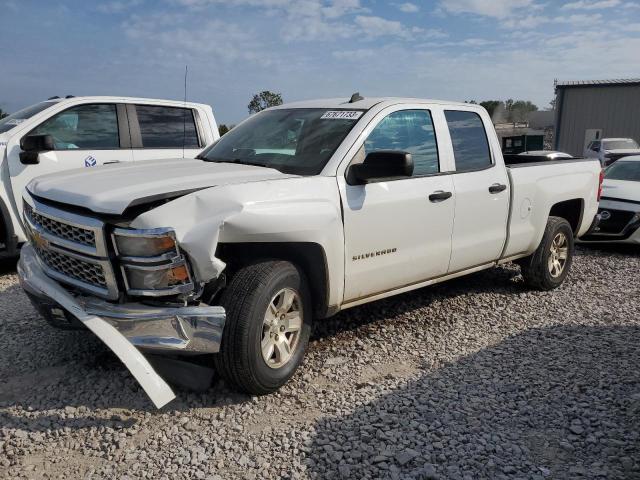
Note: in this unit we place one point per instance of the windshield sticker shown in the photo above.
(90, 161)
(341, 115)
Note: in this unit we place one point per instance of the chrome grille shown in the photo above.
(72, 248)
(60, 229)
(75, 268)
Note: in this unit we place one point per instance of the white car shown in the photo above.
(608, 150)
(299, 212)
(620, 204)
(546, 154)
(85, 132)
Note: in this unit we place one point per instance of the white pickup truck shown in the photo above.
(68, 133)
(299, 212)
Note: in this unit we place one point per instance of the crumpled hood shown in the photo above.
(112, 188)
(621, 189)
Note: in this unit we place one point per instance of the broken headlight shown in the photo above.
(151, 262)
(145, 243)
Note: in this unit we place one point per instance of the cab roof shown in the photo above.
(104, 98)
(363, 104)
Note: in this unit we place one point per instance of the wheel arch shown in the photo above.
(571, 210)
(6, 225)
(309, 257)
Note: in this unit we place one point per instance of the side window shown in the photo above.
(408, 131)
(595, 146)
(470, 144)
(83, 127)
(167, 127)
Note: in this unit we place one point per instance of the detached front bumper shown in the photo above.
(126, 328)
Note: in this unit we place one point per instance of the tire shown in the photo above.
(549, 265)
(258, 294)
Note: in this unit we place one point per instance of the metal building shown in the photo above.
(590, 110)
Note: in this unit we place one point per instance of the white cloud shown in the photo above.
(528, 22)
(591, 5)
(489, 8)
(378, 26)
(118, 6)
(408, 7)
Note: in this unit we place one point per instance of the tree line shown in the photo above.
(259, 102)
(508, 111)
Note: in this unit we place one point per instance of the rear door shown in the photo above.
(395, 234)
(160, 131)
(481, 191)
(85, 136)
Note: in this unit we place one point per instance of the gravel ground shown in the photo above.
(475, 378)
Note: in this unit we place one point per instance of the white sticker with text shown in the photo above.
(341, 115)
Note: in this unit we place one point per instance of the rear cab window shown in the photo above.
(167, 127)
(469, 139)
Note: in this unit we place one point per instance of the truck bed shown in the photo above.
(536, 186)
(517, 161)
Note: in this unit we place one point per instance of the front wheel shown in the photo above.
(268, 326)
(549, 265)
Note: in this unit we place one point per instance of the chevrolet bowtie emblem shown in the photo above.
(38, 240)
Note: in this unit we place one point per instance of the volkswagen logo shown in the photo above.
(605, 215)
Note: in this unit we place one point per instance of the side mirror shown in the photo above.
(32, 145)
(381, 166)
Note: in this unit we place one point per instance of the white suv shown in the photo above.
(84, 132)
(608, 150)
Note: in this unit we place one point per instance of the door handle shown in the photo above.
(112, 161)
(439, 196)
(497, 188)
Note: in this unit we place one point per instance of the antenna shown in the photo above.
(184, 112)
(356, 97)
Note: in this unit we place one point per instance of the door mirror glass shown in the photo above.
(379, 166)
(32, 145)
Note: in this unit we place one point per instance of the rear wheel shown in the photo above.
(268, 326)
(549, 265)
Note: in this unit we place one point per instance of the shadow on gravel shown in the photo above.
(560, 403)
(8, 266)
(502, 280)
(611, 248)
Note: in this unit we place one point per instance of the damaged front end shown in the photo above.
(133, 288)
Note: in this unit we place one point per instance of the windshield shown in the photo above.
(619, 144)
(298, 141)
(7, 123)
(629, 170)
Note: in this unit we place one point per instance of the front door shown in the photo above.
(482, 194)
(395, 235)
(85, 136)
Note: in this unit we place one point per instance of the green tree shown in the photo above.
(264, 99)
(521, 109)
(222, 129)
(491, 105)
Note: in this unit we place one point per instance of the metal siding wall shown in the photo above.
(614, 109)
